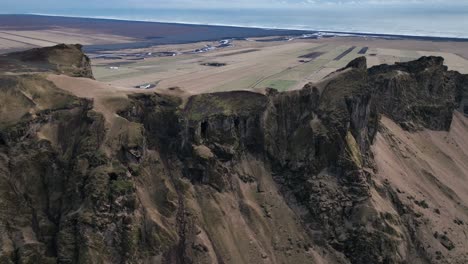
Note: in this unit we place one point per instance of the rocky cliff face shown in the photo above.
(234, 177)
(419, 94)
(60, 59)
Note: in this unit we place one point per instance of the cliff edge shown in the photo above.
(365, 167)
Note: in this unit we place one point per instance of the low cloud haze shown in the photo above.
(447, 18)
(21, 6)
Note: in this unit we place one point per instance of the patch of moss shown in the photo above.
(87, 218)
(135, 169)
(182, 185)
(227, 103)
(93, 250)
(154, 239)
(5, 260)
(422, 204)
(121, 186)
(130, 241)
(117, 168)
(95, 159)
(135, 134)
(280, 85)
(352, 150)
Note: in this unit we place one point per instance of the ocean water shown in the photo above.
(413, 20)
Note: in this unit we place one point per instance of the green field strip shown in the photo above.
(101, 72)
(241, 83)
(287, 78)
(165, 60)
(303, 71)
(159, 65)
(280, 85)
(346, 59)
(406, 59)
(409, 54)
(125, 73)
(346, 52)
(321, 48)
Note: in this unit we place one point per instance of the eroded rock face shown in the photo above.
(418, 94)
(60, 59)
(234, 177)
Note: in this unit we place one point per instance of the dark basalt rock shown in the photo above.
(418, 94)
(79, 197)
(358, 63)
(444, 240)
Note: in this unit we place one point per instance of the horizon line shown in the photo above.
(311, 30)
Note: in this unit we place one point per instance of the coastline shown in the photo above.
(413, 35)
(144, 33)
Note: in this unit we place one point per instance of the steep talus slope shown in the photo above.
(426, 175)
(308, 176)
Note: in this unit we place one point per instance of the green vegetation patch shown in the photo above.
(241, 83)
(20, 95)
(121, 186)
(280, 85)
(106, 74)
(342, 62)
(353, 151)
(227, 103)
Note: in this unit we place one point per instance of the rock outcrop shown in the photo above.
(60, 59)
(418, 94)
(232, 177)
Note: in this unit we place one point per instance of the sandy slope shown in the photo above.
(429, 172)
(87, 88)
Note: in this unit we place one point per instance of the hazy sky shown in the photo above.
(20, 6)
(407, 17)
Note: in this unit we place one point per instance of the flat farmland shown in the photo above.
(11, 40)
(251, 65)
(112, 34)
(197, 58)
(11, 45)
(241, 70)
(200, 58)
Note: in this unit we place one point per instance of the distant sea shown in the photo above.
(411, 20)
